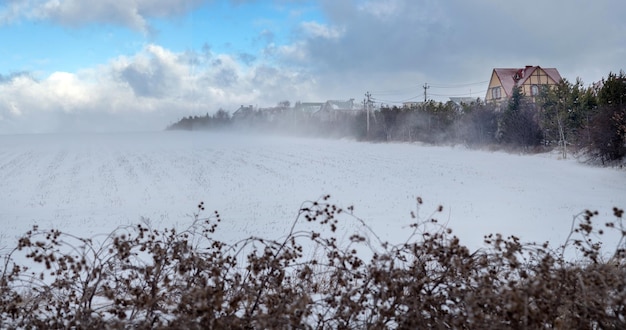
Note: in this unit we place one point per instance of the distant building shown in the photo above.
(332, 109)
(530, 79)
(243, 112)
(272, 113)
(307, 108)
(460, 101)
(409, 105)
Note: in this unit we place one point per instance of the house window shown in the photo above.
(496, 93)
(534, 90)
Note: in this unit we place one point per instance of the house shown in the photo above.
(307, 108)
(243, 112)
(529, 79)
(331, 110)
(460, 101)
(411, 104)
(271, 113)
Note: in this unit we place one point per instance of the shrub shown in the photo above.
(143, 277)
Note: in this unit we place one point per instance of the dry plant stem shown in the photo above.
(141, 277)
(277, 252)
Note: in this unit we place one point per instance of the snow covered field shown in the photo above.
(89, 184)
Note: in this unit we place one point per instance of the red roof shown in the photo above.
(510, 77)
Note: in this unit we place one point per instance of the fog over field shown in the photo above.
(88, 184)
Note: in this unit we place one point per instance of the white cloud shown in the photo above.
(133, 13)
(68, 88)
(153, 73)
(455, 42)
(148, 90)
(317, 30)
(382, 9)
(295, 52)
(14, 110)
(13, 10)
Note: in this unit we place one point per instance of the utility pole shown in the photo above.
(426, 87)
(367, 110)
(367, 120)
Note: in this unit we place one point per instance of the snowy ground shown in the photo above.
(89, 184)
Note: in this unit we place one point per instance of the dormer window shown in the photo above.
(496, 93)
(518, 75)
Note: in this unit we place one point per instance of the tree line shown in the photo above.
(568, 116)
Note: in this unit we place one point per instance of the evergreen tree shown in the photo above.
(565, 108)
(518, 125)
(607, 131)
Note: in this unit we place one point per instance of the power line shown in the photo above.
(463, 94)
(375, 95)
(395, 101)
(378, 100)
(477, 93)
(394, 91)
(458, 85)
(409, 89)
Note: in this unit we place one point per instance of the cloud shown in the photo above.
(11, 76)
(147, 90)
(75, 13)
(457, 41)
(317, 30)
(246, 58)
(154, 73)
(357, 46)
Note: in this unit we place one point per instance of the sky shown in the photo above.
(109, 65)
